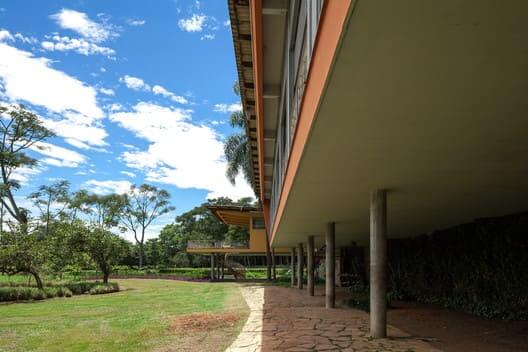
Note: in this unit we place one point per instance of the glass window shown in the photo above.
(258, 223)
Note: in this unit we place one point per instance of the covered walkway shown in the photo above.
(284, 319)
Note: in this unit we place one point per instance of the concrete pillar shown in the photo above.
(330, 265)
(310, 265)
(300, 266)
(293, 267)
(273, 264)
(212, 267)
(378, 264)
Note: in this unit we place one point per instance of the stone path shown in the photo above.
(284, 319)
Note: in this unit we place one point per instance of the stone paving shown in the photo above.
(284, 319)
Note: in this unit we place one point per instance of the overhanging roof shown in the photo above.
(234, 215)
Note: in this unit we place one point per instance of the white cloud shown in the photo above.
(79, 45)
(207, 37)
(159, 90)
(107, 91)
(23, 175)
(58, 156)
(128, 173)
(31, 79)
(5, 36)
(77, 130)
(225, 108)
(26, 40)
(114, 107)
(107, 187)
(136, 22)
(81, 24)
(227, 23)
(134, 83)
(180, 152)
(193, 24)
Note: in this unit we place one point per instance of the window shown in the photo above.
(257, 223)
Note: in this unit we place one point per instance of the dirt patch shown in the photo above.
(201, 322)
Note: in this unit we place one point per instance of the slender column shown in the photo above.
(300, 266)
(222, 269)
(330, 265)
(273, 264)
(378, 264)
(293, 267)
(310, 265)
(212, 267)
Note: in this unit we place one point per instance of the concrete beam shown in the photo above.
(330, 265)
(275, 8)
(300, 266)
(310, 265)
(378, 264)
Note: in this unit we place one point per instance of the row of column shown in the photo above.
(378, 263)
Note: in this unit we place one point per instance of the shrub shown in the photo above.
(64, 292)
(104, 288)
(51, 292)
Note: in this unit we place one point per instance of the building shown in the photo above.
(244, 216)
(374, 119)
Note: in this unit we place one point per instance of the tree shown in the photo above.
(23, 252)
(20, 130)
(142, 206)
(237, 148)
(106, 249)
(51, 201)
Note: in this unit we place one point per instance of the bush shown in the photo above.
(478, 267)
(104, 288)
(64, 292)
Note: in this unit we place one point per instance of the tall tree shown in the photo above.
(51, 201)
(237, 147)
(20, 130)
(142, 206)
(104, 211)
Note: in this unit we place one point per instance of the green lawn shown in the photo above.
(135, 319)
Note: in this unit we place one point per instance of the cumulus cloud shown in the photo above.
(193, 24)
(81, 24)
(180, 152)
(157, 89)
(128, 173)
(23, 175)
(58, 156)
(107, 91)
(134, 83)
(29, 78)
(74, 112)
(108, 186)
(5, 36)
(225, 108)
(79, 45)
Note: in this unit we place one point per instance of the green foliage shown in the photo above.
(106, 249)
(478, 267)
(143, 205)
(104, 288)
(237, 148)
(20, 130)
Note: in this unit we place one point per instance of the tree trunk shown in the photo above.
(141, 255)
(38, 280)
(106, 275)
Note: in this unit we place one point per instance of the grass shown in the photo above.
(136, 319)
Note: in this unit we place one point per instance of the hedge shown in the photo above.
(481, 267)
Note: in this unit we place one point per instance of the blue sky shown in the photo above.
(135, 91)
